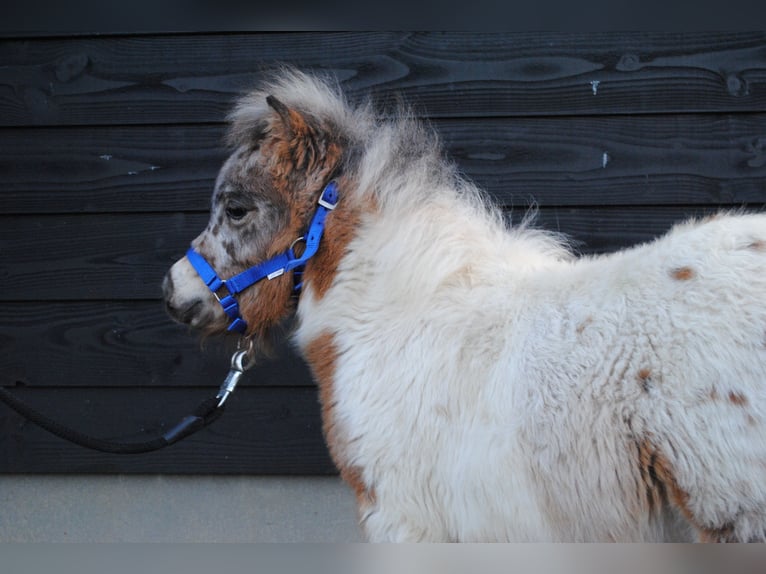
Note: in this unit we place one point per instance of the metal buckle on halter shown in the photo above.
(218, 297)
(323, 201)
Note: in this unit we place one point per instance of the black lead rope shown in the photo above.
(206, 413)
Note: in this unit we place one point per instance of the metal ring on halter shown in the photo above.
(294, 243)
(248, 352)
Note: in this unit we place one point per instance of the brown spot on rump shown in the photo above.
(581, 327)
(757, 245)
(682, 273)
(738, 399)
(321, 354)
(717, 535)
(644, 377)
(652, 491)
(659, 487)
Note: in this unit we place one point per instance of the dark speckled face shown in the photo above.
(246, 214)
(263, 199)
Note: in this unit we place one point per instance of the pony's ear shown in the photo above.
(278, 107)
(294, 124)
(299, 140)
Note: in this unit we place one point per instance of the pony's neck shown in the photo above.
(341, 226)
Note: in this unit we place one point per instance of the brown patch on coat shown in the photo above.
(352, 475)
(652, 491)
(677, 496)
(342, 226)
(301, 153)
(682, 273)
(302, 160)
(295, 138)
(757, 245)
(321, 354)
(738, 399)
(581, 327)
(644, 377)
(660, 487)
(718, 535)
(265, 305)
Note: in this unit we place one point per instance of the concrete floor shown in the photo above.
(52, 508)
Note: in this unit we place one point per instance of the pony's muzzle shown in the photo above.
(186, 297)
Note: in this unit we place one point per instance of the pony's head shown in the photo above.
(287, 146)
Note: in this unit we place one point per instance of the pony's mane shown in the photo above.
(394, 156)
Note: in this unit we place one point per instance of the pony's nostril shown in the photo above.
(185, 313)
(191, 311)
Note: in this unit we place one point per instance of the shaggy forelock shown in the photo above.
(313, 95)
(396, 156)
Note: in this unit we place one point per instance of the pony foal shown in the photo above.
(478, 382)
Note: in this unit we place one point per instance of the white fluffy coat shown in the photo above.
(488, 386)
(491, 390)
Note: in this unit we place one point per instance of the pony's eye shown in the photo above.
(235, 212)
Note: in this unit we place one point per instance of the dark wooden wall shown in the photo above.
(109, 146)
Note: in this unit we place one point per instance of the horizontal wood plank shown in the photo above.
(122, 344)
(263, 431)
(108, 256)
(109, 146)
(178, 78)
(612, 160)
(108, 169)
(125, 256)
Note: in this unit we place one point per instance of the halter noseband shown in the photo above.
(225, 289)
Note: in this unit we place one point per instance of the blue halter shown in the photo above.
(269, 269)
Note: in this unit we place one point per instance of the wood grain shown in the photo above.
(109, 169)
(180, 78)
(109, 147)
(125, 256)
(606, 160)
(122, 344)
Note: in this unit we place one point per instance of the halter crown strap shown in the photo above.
(269, 269)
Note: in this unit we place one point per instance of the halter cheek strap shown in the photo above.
(226, 289)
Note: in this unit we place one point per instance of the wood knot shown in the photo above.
(70, 67)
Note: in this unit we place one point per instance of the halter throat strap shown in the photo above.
(226, 289)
